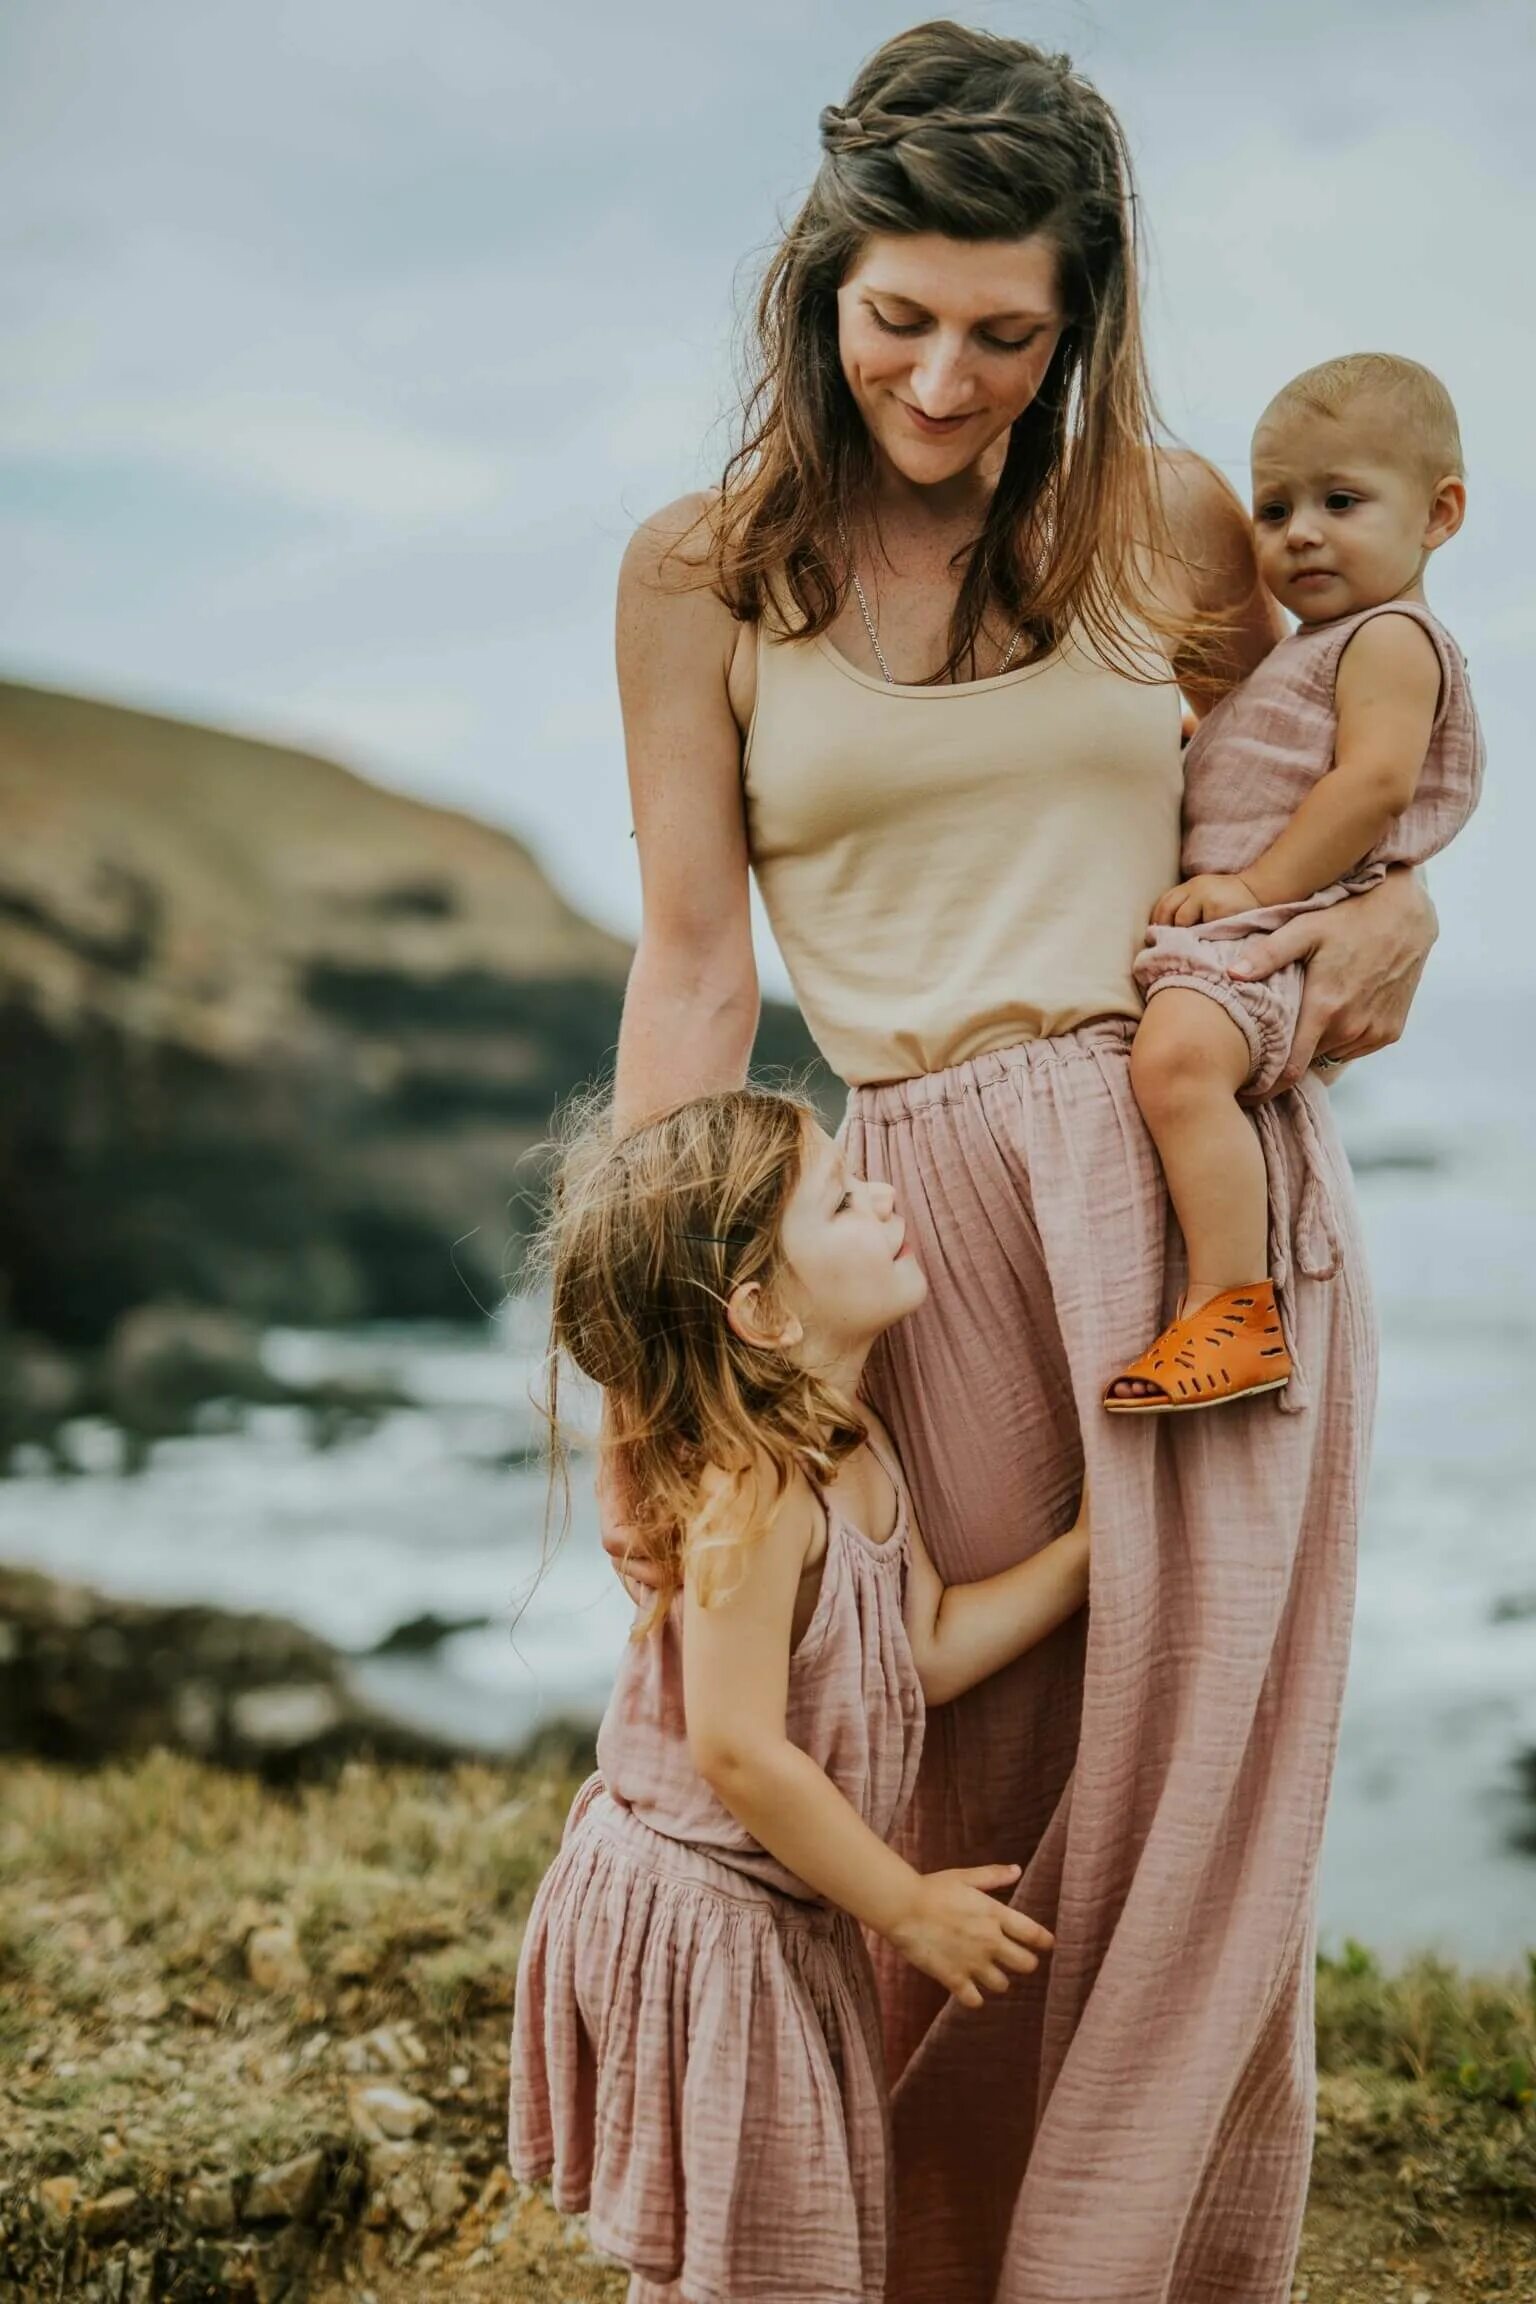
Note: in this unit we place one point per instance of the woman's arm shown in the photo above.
(691, 1004)
(962, 1633)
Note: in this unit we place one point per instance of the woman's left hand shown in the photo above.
(1364, 959)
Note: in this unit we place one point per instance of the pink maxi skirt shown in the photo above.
(1133, 2125)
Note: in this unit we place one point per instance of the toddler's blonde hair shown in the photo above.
(645, 1237)
(1422, 410)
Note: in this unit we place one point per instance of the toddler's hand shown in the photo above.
(964, 1939)
(1209, 896)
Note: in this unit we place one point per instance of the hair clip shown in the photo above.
(721, 1239)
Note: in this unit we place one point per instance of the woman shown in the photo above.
(914, 665)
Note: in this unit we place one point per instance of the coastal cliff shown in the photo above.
(275, 1039)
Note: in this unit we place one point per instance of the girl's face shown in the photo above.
(851, 1275)
(944, 342)
(1341, 518)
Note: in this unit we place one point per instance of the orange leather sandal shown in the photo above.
(1230, 1349)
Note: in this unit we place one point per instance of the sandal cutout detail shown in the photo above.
(1232, 1348)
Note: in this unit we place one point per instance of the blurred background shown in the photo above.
(345, 345)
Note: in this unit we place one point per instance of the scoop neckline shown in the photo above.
(835, 1511)
(879, 1546)
(924, 688)
(889, 1543)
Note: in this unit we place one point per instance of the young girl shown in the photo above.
(695, 2050)
(1354, 746)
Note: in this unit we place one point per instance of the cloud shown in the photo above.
(316, 457)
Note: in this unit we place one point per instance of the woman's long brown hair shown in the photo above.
(976, 137)
(646, 1234)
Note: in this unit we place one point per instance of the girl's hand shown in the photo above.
(1209, 896)
(1364, 960)
(958, 1934)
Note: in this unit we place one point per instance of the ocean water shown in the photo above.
(1424, 1842)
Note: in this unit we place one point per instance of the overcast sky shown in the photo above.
(346, 341)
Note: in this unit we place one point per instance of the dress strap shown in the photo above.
(887, 1460)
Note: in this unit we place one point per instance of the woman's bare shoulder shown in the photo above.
(1208, 529)
(1207, 572)
(669, 607)
(676, 545)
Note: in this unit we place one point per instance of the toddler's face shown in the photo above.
(851, 1274)
(1339, 520)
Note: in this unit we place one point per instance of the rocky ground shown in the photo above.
(87, 1677)
(253, 2046)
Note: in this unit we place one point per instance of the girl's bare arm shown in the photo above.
(736, 1656)
(962, 1633)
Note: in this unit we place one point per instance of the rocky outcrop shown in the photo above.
(274, 1039)
(161, 1369)
(84, 1677)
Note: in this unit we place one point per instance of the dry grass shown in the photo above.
(138, 2051)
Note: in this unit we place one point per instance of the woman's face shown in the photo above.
(944, 342)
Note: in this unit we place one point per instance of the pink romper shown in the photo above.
(696, 2046)
(1250, 764)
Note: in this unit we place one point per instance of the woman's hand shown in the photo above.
(1364, 960)
(958, 1933)
(639, 1575)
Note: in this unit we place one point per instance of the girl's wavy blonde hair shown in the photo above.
(976, 137)
(646, 1235)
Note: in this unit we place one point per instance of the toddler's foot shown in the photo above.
(1229, 1347)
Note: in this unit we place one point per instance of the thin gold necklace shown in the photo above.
(874, 637)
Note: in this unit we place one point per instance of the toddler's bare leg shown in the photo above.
(1187, 1063)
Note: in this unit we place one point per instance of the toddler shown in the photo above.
(1354, 746)
(696, 2053)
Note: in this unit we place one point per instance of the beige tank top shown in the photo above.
(951, 869)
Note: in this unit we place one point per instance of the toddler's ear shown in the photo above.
(1447, 510)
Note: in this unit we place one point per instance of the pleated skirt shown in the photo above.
(696, 2065)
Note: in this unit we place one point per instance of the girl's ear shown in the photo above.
(747, 1315)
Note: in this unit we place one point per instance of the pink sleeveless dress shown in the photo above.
(696, 2053)
(1250, 764)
